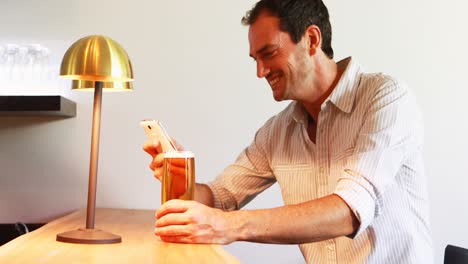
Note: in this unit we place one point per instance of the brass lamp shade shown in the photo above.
(107, 86)
(96, 58)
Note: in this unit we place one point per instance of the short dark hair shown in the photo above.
(295, 17)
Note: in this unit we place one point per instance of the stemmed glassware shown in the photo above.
(23, 67)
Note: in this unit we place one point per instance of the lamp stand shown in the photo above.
(90, 235)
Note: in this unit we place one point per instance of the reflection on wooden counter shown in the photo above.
(139, 244)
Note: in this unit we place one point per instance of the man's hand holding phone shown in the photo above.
(158, 142)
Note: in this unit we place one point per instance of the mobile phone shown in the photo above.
(155, 130)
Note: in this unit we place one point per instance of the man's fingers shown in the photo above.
(152, 147)
(157, 173)
(149, 148)
(172, 219)
(180, 162)
(173, 230)
(178, 239)
(175, 239)
(173, 206)
(178, 171)
(157, 161)
(177, 145)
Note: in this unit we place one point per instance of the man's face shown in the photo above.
(283, 63)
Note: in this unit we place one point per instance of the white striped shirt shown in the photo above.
(368, 151)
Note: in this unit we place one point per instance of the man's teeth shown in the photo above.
(274, 81)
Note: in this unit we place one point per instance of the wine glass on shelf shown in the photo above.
(10, 60)
(44, 63)
(34, 53)
(2, 67)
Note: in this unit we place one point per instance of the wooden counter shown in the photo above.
(139, 244)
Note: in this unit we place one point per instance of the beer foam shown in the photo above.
(179, 154)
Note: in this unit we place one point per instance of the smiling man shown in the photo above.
(346, 153)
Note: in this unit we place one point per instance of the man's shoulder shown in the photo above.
(373, 84)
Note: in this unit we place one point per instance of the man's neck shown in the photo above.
(329, 74)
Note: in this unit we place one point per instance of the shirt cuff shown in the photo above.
(361, 202)
(222, 198)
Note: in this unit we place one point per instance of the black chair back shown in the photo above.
(455, 255)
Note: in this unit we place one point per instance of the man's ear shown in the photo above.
(314, 39)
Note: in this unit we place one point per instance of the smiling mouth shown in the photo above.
(273, 80)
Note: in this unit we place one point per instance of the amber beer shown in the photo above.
(178, 181)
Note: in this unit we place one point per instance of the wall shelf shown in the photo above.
(36, 105)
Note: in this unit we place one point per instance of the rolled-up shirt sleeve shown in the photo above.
(386, 135)
(250, 174)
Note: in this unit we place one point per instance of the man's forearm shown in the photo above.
(317, 220)
(204, 195)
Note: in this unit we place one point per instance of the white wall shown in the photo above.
(193, 72)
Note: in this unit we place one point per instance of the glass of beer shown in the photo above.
(178, 181)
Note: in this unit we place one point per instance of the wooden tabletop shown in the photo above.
(139, 244)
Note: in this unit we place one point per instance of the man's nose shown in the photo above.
(262, 71)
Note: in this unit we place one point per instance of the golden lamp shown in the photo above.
(95, 63)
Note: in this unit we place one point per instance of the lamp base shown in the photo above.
(88, 236)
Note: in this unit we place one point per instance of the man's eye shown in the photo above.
(269, 54)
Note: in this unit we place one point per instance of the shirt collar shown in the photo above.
(343, 94)
(298, 112)
(345, 91)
